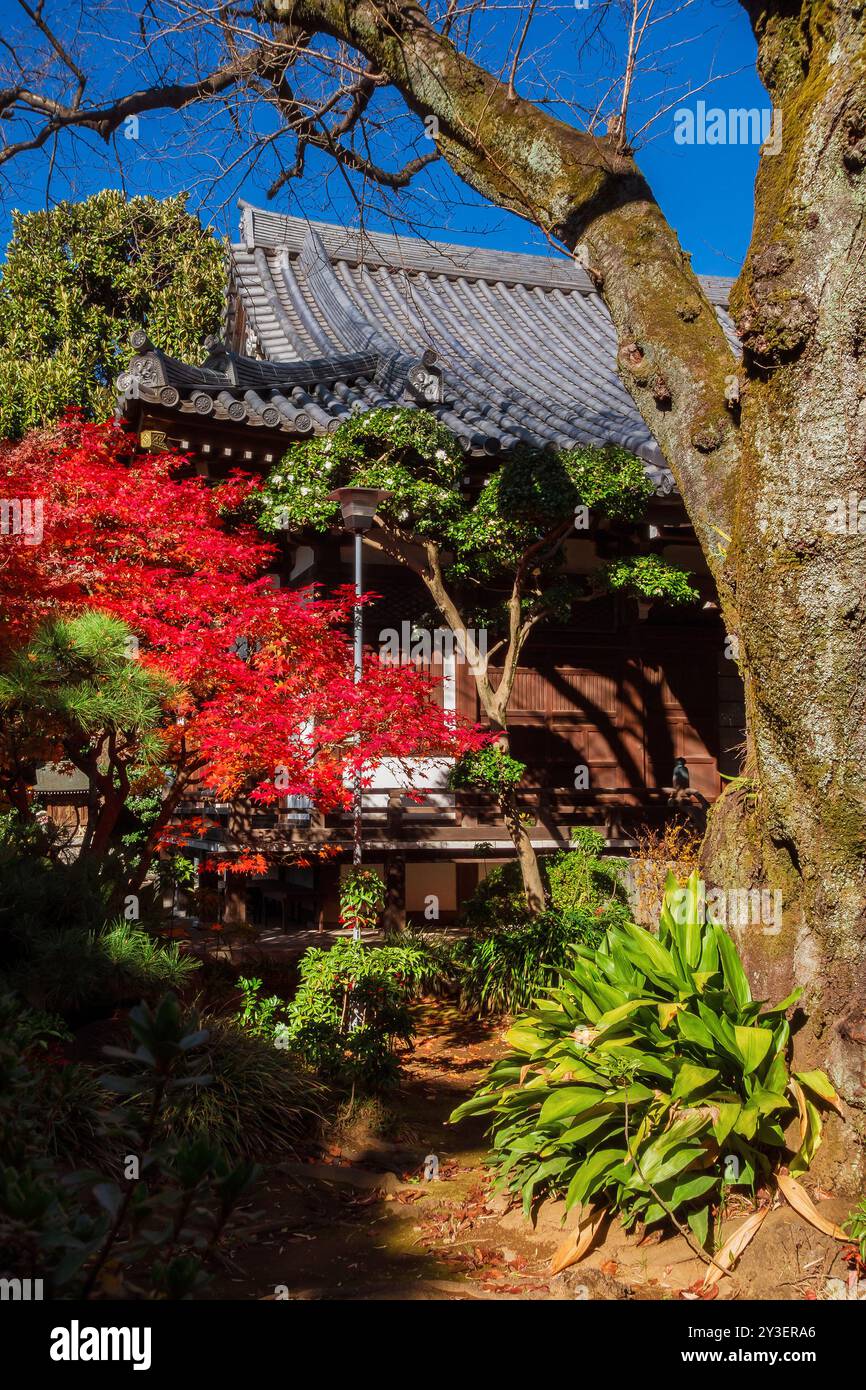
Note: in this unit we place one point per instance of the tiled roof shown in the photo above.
(502, 346)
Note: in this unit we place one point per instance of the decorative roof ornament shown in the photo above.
(425, 381)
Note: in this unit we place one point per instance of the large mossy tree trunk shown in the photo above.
(760, 448)
(798, 555)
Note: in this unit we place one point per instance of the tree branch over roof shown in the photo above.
(106, 118)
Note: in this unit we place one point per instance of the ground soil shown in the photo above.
(356, 1220)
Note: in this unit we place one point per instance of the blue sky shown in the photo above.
(704, 52)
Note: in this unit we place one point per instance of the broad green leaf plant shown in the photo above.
(650, 1082)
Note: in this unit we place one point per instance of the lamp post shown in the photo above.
(358, 508)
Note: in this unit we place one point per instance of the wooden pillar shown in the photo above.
(328, 893)
(468, 875)
(394, 912)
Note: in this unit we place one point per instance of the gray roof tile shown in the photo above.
(337, 321)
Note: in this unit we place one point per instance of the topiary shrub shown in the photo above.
(650, 1082)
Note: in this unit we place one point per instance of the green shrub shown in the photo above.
(59, 948)
(491, 769)
(650, 1080)
(258, 1015)
(77, 278)
(508, 956)
(577, 880)
(428, 960)
(36, 893)
(65, 1096)
(351, 1010)
(855, 1227)
(362, 897)
(69, 969)
(90, 1233)
(258, 1101)
(502, 971)
(583, 877)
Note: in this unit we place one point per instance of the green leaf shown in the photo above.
(614, 1016)
(819, 1084)
(523, 1038)
(699, 1222)
(691, 1078)
(567, 1102)
(811, 1139)
(687, 923)
(474, 1106)
(590, 1125)
(124, 1085)
(767, 1102)
(635, 1094)
(785, 1004)
(688, 1188)
(642, 947)
(753, 1045)
(708, 964)
(591, 1174)
(673, 1162)
(776, 1075)
(657, 1152)
(729, 1113)
(107, 1195)
(746, 1123)
(735, 975)
(695, 1031)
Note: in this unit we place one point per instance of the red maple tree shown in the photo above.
(262, 699)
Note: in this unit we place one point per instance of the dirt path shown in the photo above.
(359, 1222)
(332, 1236)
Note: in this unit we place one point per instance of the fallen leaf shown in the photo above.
(576, 1244)
(699, 1291)
(733, 1248)
(800, 1200)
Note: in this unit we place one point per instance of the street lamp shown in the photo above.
(358, 508)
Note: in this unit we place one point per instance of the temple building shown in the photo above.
(322, 322)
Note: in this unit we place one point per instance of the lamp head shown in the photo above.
(358, 506)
